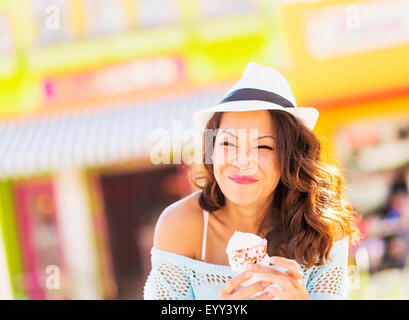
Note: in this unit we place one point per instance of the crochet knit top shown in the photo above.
(177, 277)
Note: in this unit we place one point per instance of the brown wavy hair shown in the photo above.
(308, 200)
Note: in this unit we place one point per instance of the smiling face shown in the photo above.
(244, 157)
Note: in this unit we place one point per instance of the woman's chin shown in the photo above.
(241, 198)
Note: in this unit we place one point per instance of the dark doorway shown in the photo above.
(133, 202)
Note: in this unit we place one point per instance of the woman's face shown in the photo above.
(244, 157)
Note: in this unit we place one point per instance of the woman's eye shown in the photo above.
(226, 143)
(266, 147)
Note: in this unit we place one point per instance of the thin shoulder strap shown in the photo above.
(205, 219)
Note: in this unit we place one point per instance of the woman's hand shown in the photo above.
(233, 290)
(292, 282)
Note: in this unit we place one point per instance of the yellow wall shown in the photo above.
(316, 79)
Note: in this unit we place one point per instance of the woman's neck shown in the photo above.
(246, 218)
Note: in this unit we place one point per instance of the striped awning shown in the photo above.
(96, 136)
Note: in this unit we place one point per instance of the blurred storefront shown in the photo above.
(91, 81)
(84, 83)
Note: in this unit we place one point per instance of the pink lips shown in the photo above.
(242, 179)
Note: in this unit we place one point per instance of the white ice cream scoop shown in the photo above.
(247, 248)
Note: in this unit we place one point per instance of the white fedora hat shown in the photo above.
(260, 88)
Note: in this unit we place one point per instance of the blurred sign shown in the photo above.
(343, 52)
(135, 76)
(357, 27)
(82, 47)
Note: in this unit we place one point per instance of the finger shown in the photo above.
(247, 291)
(289, 264)
(299, 283)
(234, 283)
(284, 281)
(258, 268)
(279, 294)
(263, 269)
(264, 296)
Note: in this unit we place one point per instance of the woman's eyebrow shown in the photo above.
(234, 136)
(266, 137)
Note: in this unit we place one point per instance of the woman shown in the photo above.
(272, 185)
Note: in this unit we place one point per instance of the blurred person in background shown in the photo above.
(386, 232)
(396, 224)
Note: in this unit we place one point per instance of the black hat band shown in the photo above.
(257, 94)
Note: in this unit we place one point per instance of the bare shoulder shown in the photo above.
(179, 227)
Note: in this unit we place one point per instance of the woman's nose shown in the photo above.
(244, 160)
(241, 163)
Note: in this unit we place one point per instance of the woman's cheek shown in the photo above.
(268, 164)
(266, 161)
(219, 157)
(216, 172)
